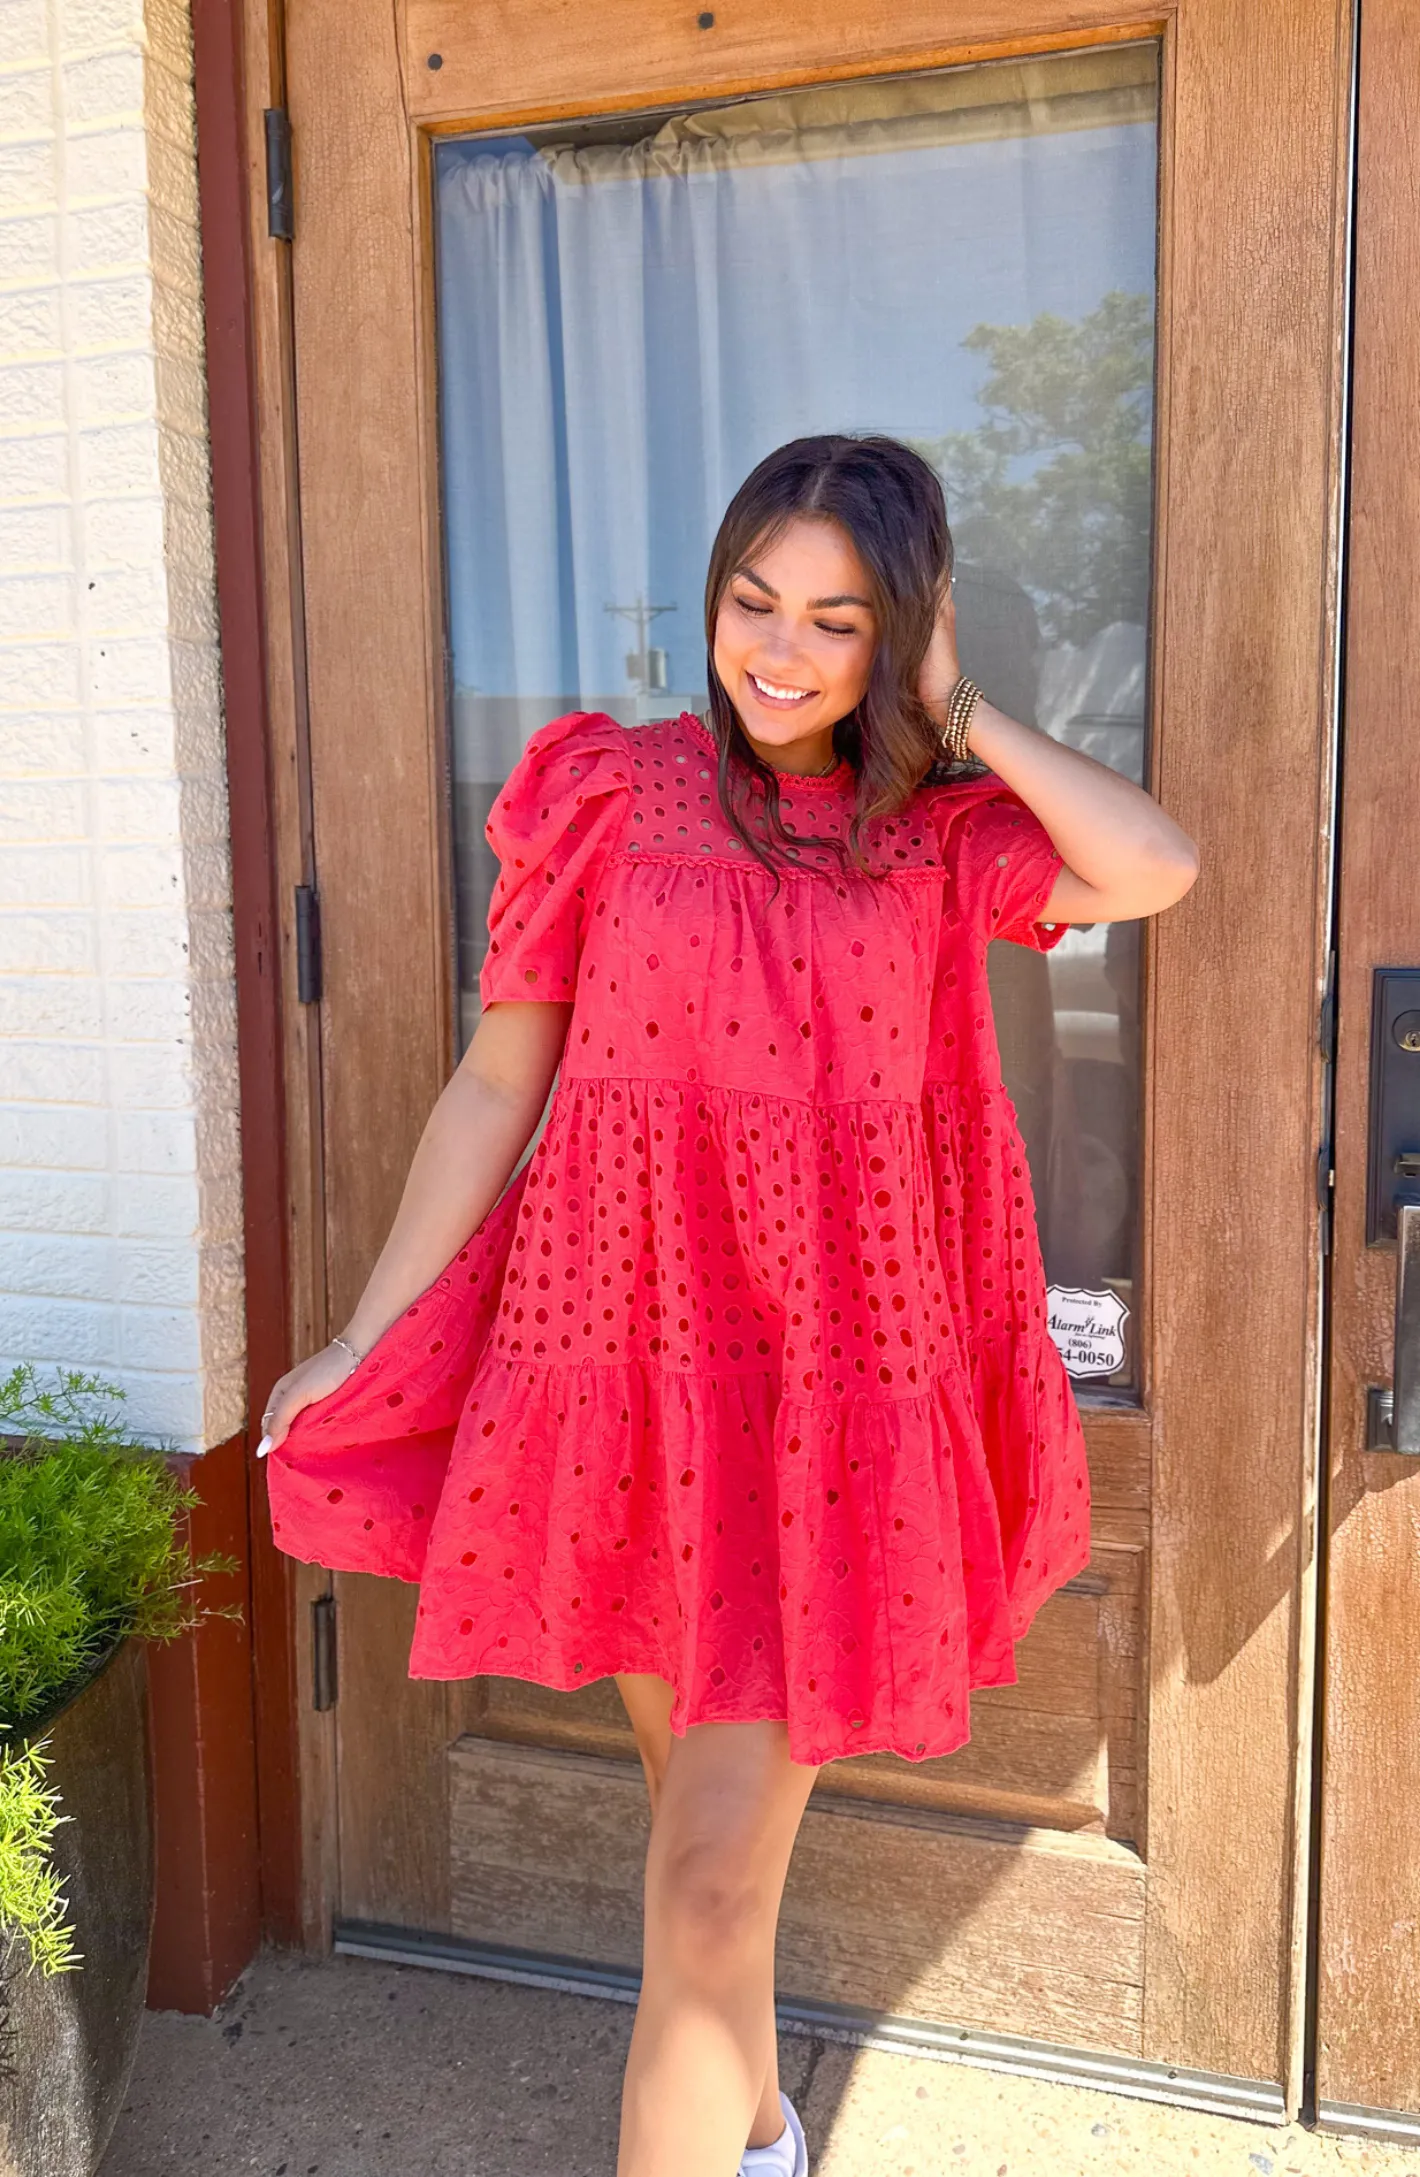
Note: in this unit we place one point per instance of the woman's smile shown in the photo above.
(783, 698)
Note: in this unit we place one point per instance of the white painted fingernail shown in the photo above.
(263, 1447)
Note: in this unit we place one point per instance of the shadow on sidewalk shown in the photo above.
(343, 2068)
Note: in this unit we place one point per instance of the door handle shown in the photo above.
(1404, 1431)
(1393, 1198)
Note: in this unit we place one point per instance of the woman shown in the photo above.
(743, 1391)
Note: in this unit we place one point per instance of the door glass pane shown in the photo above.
(632, 314)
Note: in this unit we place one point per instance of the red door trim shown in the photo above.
(222, 181)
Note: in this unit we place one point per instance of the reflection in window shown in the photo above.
(631, 314)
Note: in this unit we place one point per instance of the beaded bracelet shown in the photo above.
(964, 698)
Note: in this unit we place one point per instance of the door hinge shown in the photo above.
(280, 209)
(308, 959)
(324, 1674)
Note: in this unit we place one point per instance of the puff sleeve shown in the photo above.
(1002, 864)
(552, 828)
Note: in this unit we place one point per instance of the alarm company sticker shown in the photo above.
(1088, 1329)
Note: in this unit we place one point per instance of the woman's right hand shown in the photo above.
(302, 1386)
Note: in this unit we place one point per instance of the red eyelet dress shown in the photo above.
(746, 1379)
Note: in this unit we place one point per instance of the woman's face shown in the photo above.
(794, 642)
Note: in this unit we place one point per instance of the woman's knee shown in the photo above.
(707, 1899)
(720, 1846)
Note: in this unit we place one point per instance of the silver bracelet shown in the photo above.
(346, 1347)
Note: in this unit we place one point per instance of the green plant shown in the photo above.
(91, 1540)
(30, 1901)
(93, 1547)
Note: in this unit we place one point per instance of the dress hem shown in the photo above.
(577, 1681)
(681, 1724)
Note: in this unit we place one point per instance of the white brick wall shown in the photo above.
(120, 1204)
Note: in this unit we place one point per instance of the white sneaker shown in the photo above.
(788, 2156)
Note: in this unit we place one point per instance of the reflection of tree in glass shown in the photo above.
(1054, 488)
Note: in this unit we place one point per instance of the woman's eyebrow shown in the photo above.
(816, 604)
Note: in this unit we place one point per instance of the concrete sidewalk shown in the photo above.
(343, 2068)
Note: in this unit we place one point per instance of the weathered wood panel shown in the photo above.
(1120, 1444)
(550, 58)
(1251, 342)
(374, 690)
(972, 1923)
(393, 1737)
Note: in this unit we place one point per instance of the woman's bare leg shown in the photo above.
(648, 1702)
(702, 2078)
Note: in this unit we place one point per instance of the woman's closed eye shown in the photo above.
(760, 612)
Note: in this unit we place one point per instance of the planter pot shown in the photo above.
(68, 2042)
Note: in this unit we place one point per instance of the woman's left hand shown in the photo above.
(941, 668)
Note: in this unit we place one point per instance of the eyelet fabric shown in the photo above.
(746, 1380)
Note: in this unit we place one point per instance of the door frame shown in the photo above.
(1207, 1897)
(1367, 1941)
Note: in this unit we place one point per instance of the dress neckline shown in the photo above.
(789, 781)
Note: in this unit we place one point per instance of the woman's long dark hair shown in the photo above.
(889, 502)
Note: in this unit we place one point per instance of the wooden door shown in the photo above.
(1117, 1861)
(1368, 1999)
